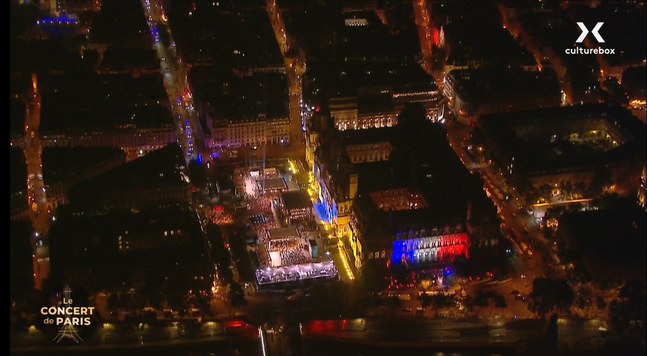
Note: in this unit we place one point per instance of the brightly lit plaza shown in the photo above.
(285, 253)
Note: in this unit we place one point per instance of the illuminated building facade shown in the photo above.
(250, 132)
(421, 246)
(377, 205)
(376, 108)
(369, 152)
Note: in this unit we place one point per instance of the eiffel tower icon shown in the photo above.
(67, 331)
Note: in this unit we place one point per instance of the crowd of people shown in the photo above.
(282, 245)
(295, 256)
(223, 219)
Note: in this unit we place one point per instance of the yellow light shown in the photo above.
(344, 261)
(293, 167)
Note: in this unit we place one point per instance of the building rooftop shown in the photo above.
(344, 79)
(611, 241)
(116, 58)
(92, 242)
(121, 23)
(60, 162)
(231, 36)
(284, 233)
(296, 200)
(17, 116)
(539, 139)
(490, 84)
(323, 33)
(274, 183)
(422, 160)
(159, 169)
(17, 171)
(75, 104)
(228, 95)
(40, 56)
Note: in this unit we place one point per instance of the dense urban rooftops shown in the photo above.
(325, 34)
(348, 78)
(17, 117)
(159, 169)
(116, 58)
(60, 162)
(491, 84)
(121, 23)
(233, 37)
(236, 96)
(17, 171)
(543, 139)
(105, 102)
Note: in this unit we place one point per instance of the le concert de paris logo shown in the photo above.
(67, 317)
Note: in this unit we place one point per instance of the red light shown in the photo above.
(317, 109)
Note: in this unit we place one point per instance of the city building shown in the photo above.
(371, 95)
(575, 144)
(112, 110)
(642, 191)
(134, 61)
(609, 241)
(64, 167)
(474, 92)
(127, 246)
(332, 32)
(119, 24)
(21, 265)
(242, 109)
(372, 185)
(231, 37)
(19, 195)
(154, 179)
(17, 115)
(633, 82)
(473, 36)
(298, 206)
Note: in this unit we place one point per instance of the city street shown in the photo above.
(421, 15)
(40, 212)
(295, 67)
(190, 137)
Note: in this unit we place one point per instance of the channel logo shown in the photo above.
(595, 32)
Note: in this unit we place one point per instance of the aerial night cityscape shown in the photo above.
(328, 177)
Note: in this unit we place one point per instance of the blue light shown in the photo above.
(215, 154)
(200, 158)
(449, 271)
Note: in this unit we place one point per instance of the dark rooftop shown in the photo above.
(121, 23)
(104, 102)
(92, 242)
(115, 58)
(17, 171)
(17, 115)
(158, 169)
(491, 83)
(296, 200)
(608, 238)
(322, 33)
(503, 128)
(230, 36)
(340, 79)
(59, 162)
(233, 96)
